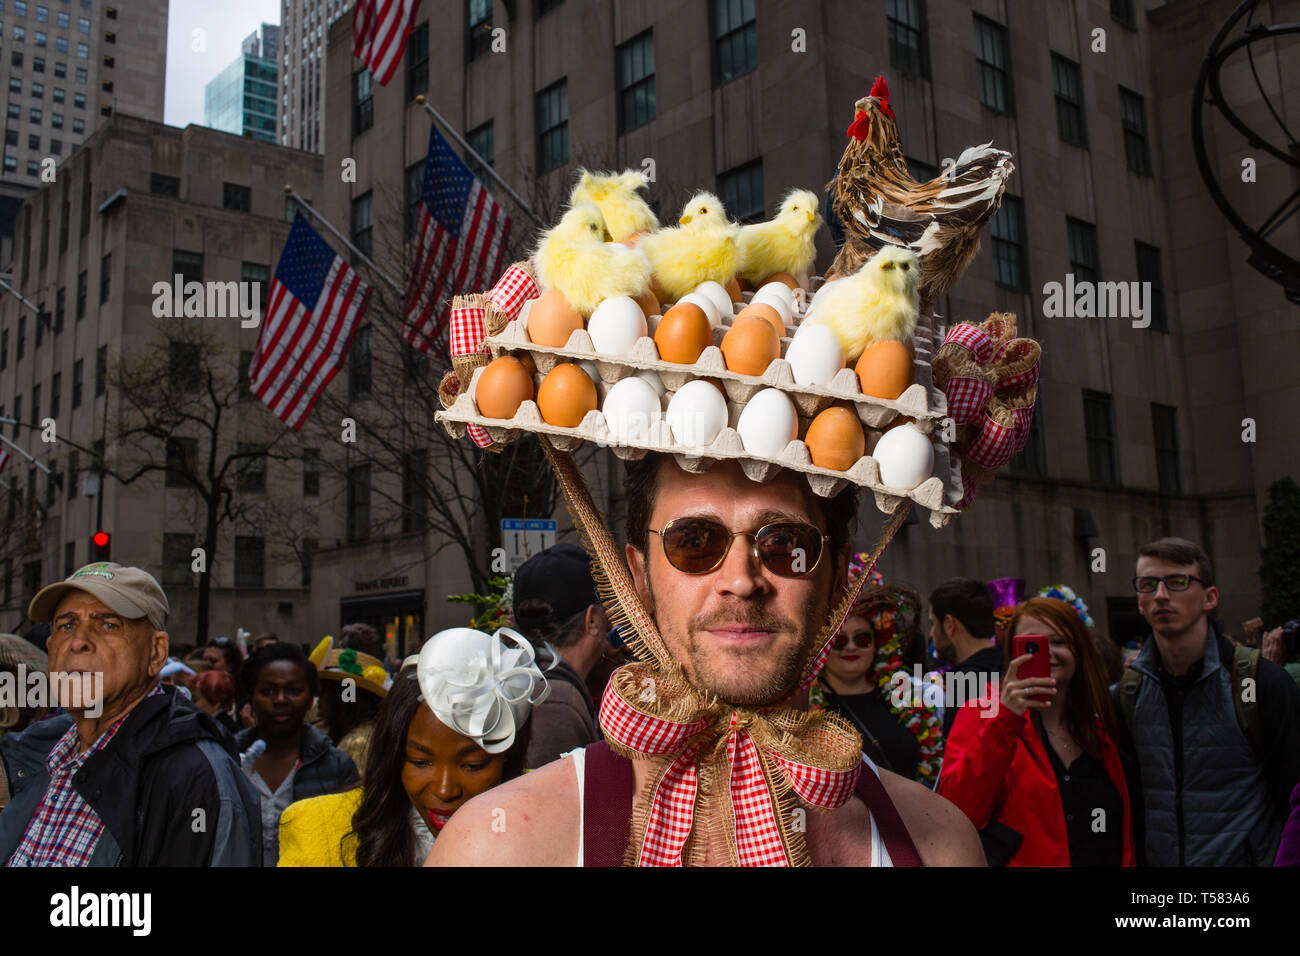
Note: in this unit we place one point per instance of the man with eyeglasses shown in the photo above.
(1215, 730)
(739, 577)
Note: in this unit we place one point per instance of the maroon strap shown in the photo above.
(607, 792)
(893, 832)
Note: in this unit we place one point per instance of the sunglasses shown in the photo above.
(1173, 582)
(862, 641)
(789, 549)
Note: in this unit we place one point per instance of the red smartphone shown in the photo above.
(1040, 662)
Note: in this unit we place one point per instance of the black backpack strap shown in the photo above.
(1245, 682)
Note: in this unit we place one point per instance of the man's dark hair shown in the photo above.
(1180, 551)
(269, 654)
(641, 481)
(364, 638)
(561, 634)
(968, 601)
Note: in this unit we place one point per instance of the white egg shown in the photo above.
(593, 373)
(697, 413)
(718, 295)
(776, 302)
(905, 456)
(815, 355)
(705, 303)
(651, 376)
(616, 325)
(768, 423)
(778, 288)
(631, 407)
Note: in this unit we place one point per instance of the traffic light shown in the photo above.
(101, 544)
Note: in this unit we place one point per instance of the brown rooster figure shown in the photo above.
(877, 200)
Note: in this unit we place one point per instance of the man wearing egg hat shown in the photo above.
(730, 588)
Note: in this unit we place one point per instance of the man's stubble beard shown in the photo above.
(781, 681)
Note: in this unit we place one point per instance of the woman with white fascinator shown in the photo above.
(454, 724)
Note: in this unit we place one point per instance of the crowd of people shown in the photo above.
(344, 756)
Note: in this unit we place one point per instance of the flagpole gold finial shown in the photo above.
(288, 189)
(419, 99)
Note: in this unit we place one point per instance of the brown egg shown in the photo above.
(551, 320)
(683, 333)
(649, 304)
(526, 360)
(566, 395)
(733, 290)
(885, 369)
(765, 312)
(750, 346)
(835, 438)
(744, 284)
(503, 386)
(785, 277)
(660, 295)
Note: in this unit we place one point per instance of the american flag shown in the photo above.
(313, 310)
(379, 32)
(461, 242)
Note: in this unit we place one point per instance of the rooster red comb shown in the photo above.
(880, 90)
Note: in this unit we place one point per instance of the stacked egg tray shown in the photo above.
(921, 402)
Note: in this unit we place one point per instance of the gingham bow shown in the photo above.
(755, 764)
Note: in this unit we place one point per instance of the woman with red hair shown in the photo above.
(214, 693)
(1039, 768)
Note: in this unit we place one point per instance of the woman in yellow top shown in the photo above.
(454, 724)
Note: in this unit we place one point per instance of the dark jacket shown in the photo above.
(167, 787)
(1205, 797)
(564, 721)
(325, 768)
(987, 661)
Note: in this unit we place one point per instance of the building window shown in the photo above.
(83, 26)
(36, 405)
(81, 75)
(20, 34)
(414, 193)
(553, 126)
(1068, 82)
(250, 475)
(1099, 430)
(417, 61)
(542, 7)
(69, 558)
(363, 102)
(56, 399)
(415, 495)
(4, 352)
(59, 94)
(635, 65)
(76, 383)
(256, 272)
(15, 84)
(62, 20)
(478, 37)
(36, 116)
(56, 120)
(101, 370)
(18, 414)
(83, 51)
(79, 100)
(1085, 260)
(741, 192)
(22, 336)
(905, 20)
(482, 139)
(42, 14)
(735, 42)
(61, 44)
(236, 197)
(60, 307)
(188, 265)
(250, 561)
(105, 277)
(11, 137)
(182, 461)
(1169, 468)
(308, 554)
(358, 502)
(161, 185)
(1007, 228)
(15, 59)
(994, 63)
(183, 366)
(78, 126)
(310, 472)
(81, 296)
(61, 70)
(20, 8)
(362, 221)
(1122, 12)
(74, 473)
(245, 386)
(38, 64)
(1149, 270)
(291, 208)
(359, 366)
(1134, 113)
(178, 553)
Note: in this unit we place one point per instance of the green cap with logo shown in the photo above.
(130, 592)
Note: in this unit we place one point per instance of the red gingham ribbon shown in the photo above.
(973, 338)
(994, 445)
(479, 434)
(672, 809)
(467, 330)
(513, 289)
(1024, 418)
(966, 398)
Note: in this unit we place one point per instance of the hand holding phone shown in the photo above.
(1029, 682)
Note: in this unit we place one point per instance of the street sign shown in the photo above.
(522, 538)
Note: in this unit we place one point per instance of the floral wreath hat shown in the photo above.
(894, 612)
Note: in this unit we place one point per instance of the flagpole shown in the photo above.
(22, 451)
(486, 166)
(4, 285)
(289, 191)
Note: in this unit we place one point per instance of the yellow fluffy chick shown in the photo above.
(625, 212)
(784, 243)
(702, 247)
(575, 257)
(876, 303)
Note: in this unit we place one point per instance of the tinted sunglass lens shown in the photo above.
(789, 549)
(695, 545)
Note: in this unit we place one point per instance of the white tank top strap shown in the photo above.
(580, 767)
(879, 854)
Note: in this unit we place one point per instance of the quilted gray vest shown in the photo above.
(1223, 808)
